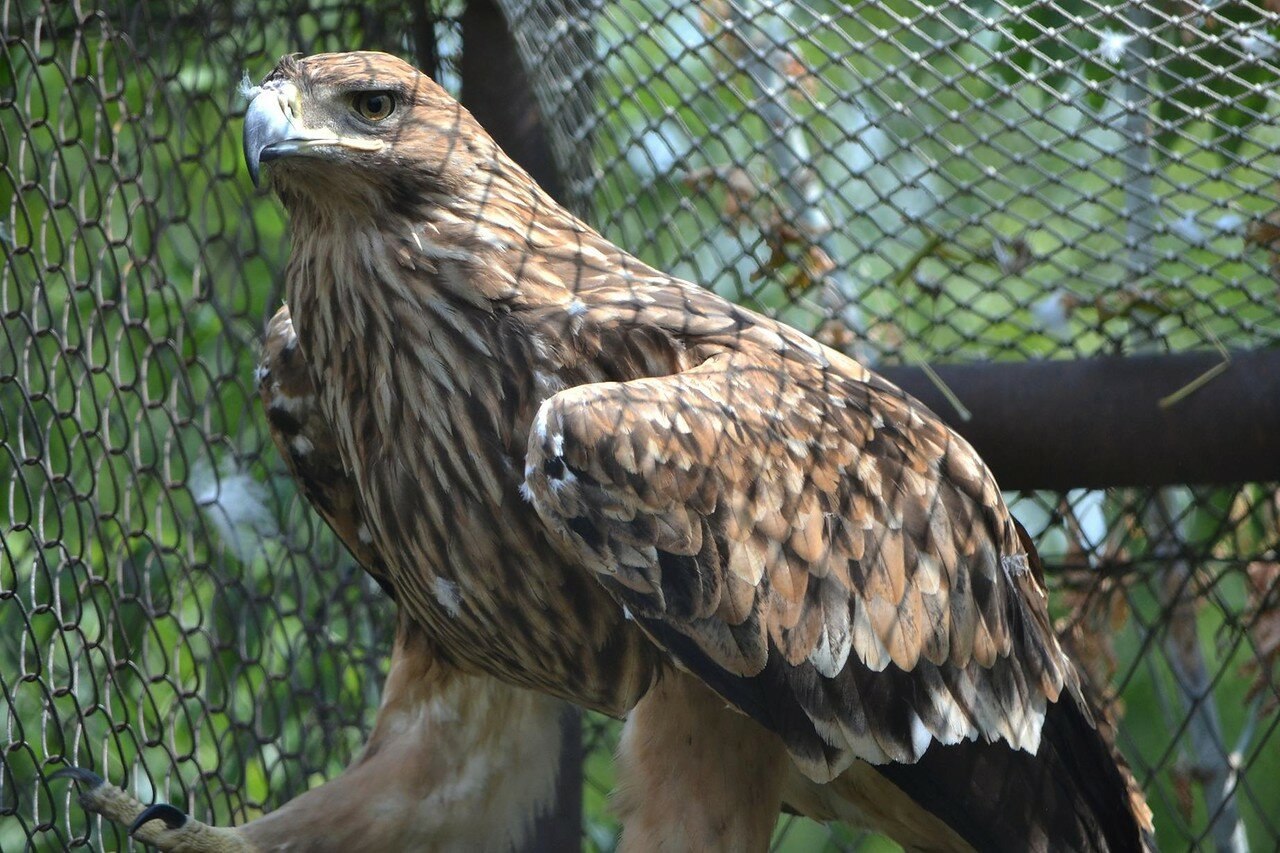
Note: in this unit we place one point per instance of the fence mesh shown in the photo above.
(909, 181)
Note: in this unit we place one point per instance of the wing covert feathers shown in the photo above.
(820, 549)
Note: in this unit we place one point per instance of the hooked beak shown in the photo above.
(272, 129)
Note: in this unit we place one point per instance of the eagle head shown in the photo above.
(361, 126)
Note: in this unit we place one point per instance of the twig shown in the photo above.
(926, 250)
(1252, 716)
(1140, 202)
(1211, 762)
(962, 411)
(1200, 381)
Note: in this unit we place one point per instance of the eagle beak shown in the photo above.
(272, 130)
(269, 129)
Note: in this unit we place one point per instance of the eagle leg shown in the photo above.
(694, 774)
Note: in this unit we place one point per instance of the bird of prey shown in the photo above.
(456, 761)
(594, 480)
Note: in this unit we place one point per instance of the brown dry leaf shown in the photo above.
(740, 190)
(836, 335)
(1012, 256)
(800, 74)
(1263, 618)
(1127, 302)
(814, 267)
(714, 15)
(1099, 609)
(798, 262)
(740, 193)
(888, 336)
(1265, 234)
(1183, 792)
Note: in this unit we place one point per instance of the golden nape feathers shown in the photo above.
(589, 478)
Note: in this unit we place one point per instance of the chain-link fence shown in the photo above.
(911, 182)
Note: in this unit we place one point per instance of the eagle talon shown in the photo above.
(87, 778)
(173, 817)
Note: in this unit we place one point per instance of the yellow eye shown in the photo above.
(374, 106)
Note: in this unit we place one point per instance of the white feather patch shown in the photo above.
(247, 89)
(920, 736)
(448, 595)
(292, 405)
(1015, 564)
(236, 506)
(831, 652)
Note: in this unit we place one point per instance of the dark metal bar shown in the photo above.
(1095, 423)
(498, 91)
(560, 830)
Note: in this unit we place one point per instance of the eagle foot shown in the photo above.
(161, 825)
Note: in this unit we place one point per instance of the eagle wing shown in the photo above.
(818, 548)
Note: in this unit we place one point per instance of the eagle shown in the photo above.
(589, 480)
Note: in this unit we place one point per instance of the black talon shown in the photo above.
(87, 778)
(174, 818)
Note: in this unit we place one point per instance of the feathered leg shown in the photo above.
(695, 775)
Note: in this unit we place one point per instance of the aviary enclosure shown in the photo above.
(1056, 221)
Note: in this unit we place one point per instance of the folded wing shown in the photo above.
(819, 549)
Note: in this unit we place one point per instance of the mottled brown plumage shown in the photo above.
(586, 476)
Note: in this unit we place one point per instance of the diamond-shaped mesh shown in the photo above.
(981, 180)
(909, 181)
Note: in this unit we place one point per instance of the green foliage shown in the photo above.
(1201, 65)
(966, 121)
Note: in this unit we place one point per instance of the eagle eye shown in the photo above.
(374, 106)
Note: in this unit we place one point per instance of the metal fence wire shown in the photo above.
(912, 182)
